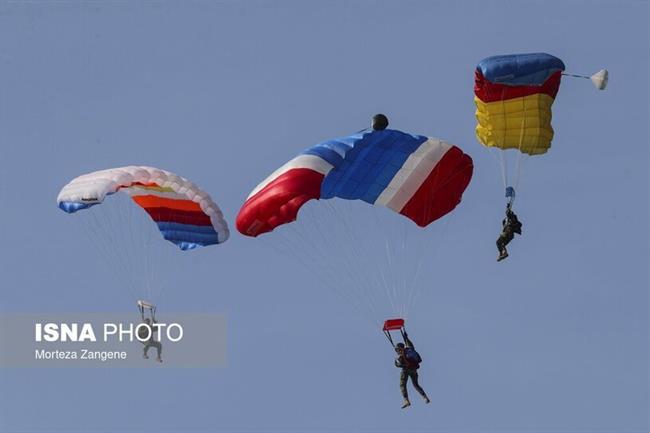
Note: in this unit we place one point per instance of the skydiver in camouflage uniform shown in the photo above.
(409, 364)
(511, 225)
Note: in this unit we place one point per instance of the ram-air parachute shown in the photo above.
(129, 228)
(357, 249)
(514, 94)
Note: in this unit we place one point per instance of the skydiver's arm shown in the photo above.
(407, 340)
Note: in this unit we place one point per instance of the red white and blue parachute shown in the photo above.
(419, 177)
(372, 259)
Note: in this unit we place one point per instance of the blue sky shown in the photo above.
(555, 339)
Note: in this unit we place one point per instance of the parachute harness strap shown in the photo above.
(390, 339)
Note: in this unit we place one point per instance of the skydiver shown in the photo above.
(511, 225)
(409, 361)
(148, 330)
(151, 341)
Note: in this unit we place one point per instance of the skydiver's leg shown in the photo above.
(501, 245)
(145, 349)
(158, 346)
(403, 378)
(416, 385)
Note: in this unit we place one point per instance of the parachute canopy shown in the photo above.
(513, 95)
(185, 215)
(419, 177)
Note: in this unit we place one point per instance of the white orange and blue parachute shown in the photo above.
(185, 214)
(419, 177)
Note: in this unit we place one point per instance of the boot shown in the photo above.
(406, 404)
(426, 399)
(502, 256)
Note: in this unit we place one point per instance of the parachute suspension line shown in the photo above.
(521, 160)
(386, 263)
(395, 250)
(390, 290)
(404, 280)
(147, 283)
(154, 287)
(311, 249)
(504, 168)
(511, 189)
(389, 266)
(368, 290)
(132, 253)
(92, 230)
(497, 154)
(412, 288)
(315, 255)
(99, 226)
(305, 257)
(436, 248)
(124, 238)
(440, 234)
(346, 246)
(504, 161)
(124, 207)
(120, 220)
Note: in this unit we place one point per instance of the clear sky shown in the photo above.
(554, 339)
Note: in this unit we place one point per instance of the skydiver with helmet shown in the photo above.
(511, 226)
(409, 361)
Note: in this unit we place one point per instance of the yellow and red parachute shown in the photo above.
(513, 95)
